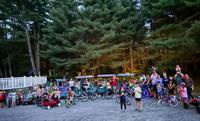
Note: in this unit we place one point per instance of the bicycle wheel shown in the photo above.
(145, 93)
(108, 94)
(84, 97)
(173, 102)
(67, 103)
(160, 101)
(128, 101)
(93, 96)
(118, 99)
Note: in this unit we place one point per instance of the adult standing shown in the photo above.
(154, 81)
(178, 78)
(2, 98)
(189, 85)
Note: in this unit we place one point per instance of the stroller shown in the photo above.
(49, 103)
(196, 102)
(29, 98)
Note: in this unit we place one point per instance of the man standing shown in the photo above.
(189, 85)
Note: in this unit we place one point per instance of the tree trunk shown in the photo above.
(131, 55)
(1, 73)
(37, 57)
(9, 65)
(37, 48)
(30, 50)
(5, 70)
(38, 52)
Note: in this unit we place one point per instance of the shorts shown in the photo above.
(137, 99)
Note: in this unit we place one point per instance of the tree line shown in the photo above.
(51, 37)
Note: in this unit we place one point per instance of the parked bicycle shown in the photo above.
(128, 101)
(170, 100)
(81, 95)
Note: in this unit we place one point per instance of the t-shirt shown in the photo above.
(179, 79)
(183, 92)
(154, 79)
(159, 80)
(71, 83)
(159, 89)
(189, 82)
(138, 92)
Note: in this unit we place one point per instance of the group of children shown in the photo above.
(180, 85)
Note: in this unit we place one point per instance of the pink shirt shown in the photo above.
(183, 92)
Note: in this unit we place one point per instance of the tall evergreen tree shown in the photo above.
(90, 34)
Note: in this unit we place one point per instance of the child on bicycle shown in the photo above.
(138, 96)
(122, 98)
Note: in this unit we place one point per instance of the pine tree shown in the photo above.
(90, 34)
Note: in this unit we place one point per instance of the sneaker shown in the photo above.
(140, 110)
(125, 110)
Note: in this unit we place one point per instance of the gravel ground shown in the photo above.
(100, 110)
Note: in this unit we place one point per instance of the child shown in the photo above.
(70, 95)
(183, 93)
(171, 88)
(122, 98)
(159, 90)
(138, 95)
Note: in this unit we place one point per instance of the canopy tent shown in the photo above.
(125, 75)
(106, 75)
(84, 77)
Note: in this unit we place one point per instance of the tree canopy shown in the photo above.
(98, 36)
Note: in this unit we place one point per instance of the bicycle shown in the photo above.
(145, 91)
(81, 95)
(69, 102)
(170, 100)
(103, 91)
(128, 101)
(92, 93)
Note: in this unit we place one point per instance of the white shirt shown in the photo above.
(71, 83)
(138, 92)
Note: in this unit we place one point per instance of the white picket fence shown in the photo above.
(21, 82)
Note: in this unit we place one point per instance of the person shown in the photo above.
(159, 90)
(122, 98)
(183, 93)
(2, 98)
(138, 96)
(178, 68)
(143, 78)
(114, 84)
(39, 93)
(9, 99)
(165, 80)
(71, 83)
(171, 88)
(178, 80)
(154, 82)
(159, 79)
(70, 95)
(14, 98)
(189, 85)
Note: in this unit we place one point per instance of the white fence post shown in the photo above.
(24, 80)
(12, 83)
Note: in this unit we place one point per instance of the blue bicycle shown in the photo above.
(145, 91)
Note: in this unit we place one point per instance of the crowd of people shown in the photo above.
(156, 85)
